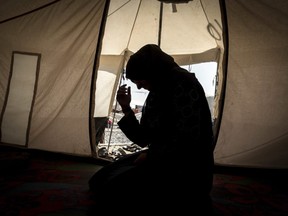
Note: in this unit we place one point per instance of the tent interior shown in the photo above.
(61, 62)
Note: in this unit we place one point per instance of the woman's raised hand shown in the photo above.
(124, 96)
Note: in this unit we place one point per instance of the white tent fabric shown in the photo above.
(65, 35)
(180, 34)
(254, 126)
(58, 44)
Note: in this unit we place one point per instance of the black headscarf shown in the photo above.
(149, 63)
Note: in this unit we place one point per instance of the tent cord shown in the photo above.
(114, 113)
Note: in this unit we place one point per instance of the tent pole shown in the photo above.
(160, 24)
(114, 113)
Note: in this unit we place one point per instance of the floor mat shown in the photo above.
(41, 185)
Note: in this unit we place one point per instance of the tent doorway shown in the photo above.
(190, 41)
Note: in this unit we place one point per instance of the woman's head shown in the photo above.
(149, 63)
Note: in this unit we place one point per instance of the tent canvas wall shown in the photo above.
(254, 126)
(51, 52)
(48, 47)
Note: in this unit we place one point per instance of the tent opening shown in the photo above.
(198, 46)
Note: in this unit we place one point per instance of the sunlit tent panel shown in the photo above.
(103, 94)
(15, 124)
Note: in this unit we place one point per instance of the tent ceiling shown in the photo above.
(132, 24)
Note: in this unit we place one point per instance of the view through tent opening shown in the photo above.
(115, 144)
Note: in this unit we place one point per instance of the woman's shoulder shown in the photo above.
(182, 76)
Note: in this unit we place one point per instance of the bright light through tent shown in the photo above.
(206, 74)
(138, 95)
(104, 87)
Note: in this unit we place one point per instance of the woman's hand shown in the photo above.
(124, 96)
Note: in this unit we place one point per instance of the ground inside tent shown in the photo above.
(42, 183)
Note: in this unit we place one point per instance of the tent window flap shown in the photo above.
(18, 103)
